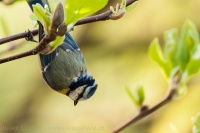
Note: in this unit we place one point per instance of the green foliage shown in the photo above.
(56, 43)
(74, 10)
(77, 9)
(180, 55)
(156, 54)
(137, 96)
(121, 9)
(196, 125)
(42, 15)
(131, 7)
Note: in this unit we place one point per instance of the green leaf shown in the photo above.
(131, 7)
(171, 42)
(189, 39)
(192, 40)
(193, 65)
(77, 9)
(56, 43)
(113, 10)
(42, 15)
(196, 126)
(137, 96)
(182, 90)
(156, 54)
(174, 73)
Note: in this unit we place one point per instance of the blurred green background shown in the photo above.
(116, 55)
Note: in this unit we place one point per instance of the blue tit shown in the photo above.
(64, 70)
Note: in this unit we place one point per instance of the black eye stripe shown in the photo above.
(86, 80)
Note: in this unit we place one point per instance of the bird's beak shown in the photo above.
(76, 102)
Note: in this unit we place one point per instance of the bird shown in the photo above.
(64, 69)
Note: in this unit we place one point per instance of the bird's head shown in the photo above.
(82, 88)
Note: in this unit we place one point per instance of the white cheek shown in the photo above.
(85, 94)
(74, 94)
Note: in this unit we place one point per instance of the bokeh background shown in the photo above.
(116, 55)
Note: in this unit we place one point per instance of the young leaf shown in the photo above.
(193, 65)
(131, 7)
(77, 9)
(56, 43)
(171, 41)
(196, 126)
(42, 15)
(189, 40)
(174, 73)
(192, 40)
(137, 96)
(156, 54)
(182, 91)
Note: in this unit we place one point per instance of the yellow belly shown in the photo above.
(64, 91)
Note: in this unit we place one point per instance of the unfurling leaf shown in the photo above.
(156, 54)
(77, 9)
(196, 126)
(42, 15)
(181, 54)
(171, 42)
(137, 96)
(131, 7)
(56, 43)
(189, 39)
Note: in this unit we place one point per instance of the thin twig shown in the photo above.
(142, 114)
(101, 17)
(18, 36)
(34, 51)
(45, 41)
(58, 18)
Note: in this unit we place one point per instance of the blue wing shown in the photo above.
(68, 44)
(70, 41)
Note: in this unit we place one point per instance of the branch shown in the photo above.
(54, 31)
(101, 17)
(18, 36)
(146, 112)
(45, 41)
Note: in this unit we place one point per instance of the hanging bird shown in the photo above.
(64, 69)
